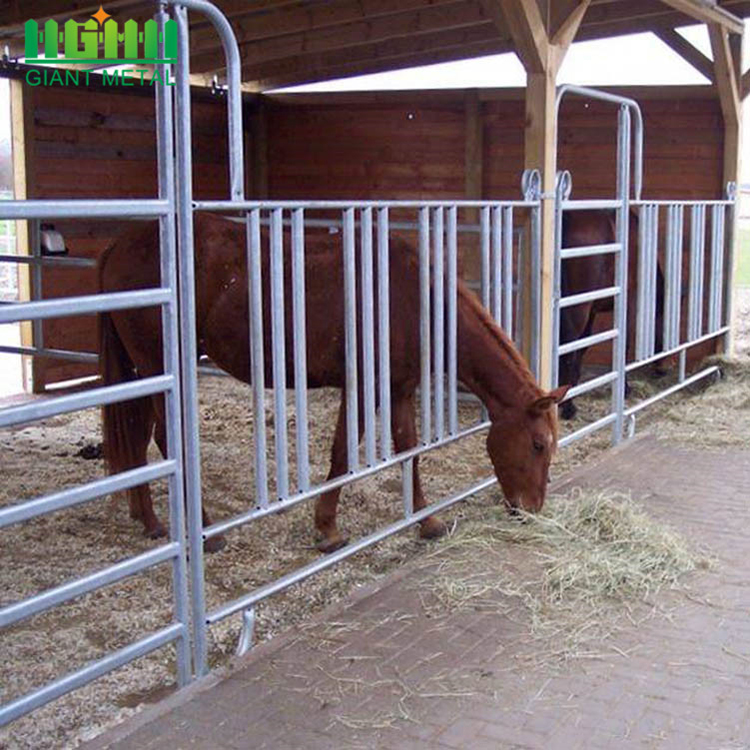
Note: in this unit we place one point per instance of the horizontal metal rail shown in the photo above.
(90, 672)
(83, 305)
(26, 510)
(666, 202)
(26, 608)
(30, 351)
(596, 294)
(249, 205)
(591, 205)
(53, 407)
(283, 505)
(677, 349)
(83, 209)
(62, 261)
(351, 549)
(590, 385)
(672, 389)
(585, 343)
(600, 424)
(587, 250)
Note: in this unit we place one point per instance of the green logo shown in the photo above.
(83, 43)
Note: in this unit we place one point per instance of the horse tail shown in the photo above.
(126, 425)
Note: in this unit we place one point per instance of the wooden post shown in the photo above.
(22, 121)
(726, 74)
(473, 177)
(541, 44)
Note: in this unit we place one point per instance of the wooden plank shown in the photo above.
(22, 157)
(708, 12)
(691, 54)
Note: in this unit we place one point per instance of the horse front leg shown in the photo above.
(404, 429)
(327, 504)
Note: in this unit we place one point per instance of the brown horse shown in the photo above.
(523, 433)
(582, 228)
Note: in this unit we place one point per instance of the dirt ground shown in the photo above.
(48, 551)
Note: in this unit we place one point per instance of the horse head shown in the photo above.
(521, 442)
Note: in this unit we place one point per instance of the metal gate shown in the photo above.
(702, 325)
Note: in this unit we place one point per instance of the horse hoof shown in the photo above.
(155, 532)
(568, 410)
(432, 528)
(328, 545)
(214, 544)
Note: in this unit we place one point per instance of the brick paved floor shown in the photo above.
(379, 673)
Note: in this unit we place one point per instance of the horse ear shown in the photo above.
(546, 402)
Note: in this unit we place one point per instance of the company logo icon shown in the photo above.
(83, 42)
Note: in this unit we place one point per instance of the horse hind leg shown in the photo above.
(404, 428)
(327, 504)
(215, 543)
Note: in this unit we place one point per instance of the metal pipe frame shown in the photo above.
(49, 261)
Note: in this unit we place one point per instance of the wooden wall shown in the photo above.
(88, 144)
(94, 144)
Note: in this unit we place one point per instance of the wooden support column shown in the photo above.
(541, 41)
(470, 260)
(728, 88)
(22, 142)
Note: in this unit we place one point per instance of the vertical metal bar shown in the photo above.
(535, 249)
(730, 248)
(682, 365)
(653, 244)
(407, 487)
(673, 277)
(619, 345)
(350, 341)
(300, 348)
(717, 267)
(257, 357)
(424, 323)
(697, 256)
(189, 349)
(497, 265)
(452, 291)
(507, 271)
(278, 338)
(560, 190)
(171, 353)
(438, 320)
(384, 333)
(484, 242)
(37, 326)
(368, 336)
(641, 336)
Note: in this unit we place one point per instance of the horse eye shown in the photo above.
(538, 446)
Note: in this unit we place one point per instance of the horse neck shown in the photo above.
(488, 363)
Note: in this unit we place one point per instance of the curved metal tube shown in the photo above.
(234, 92)
(568, 88)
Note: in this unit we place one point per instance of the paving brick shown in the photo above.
(684, 685)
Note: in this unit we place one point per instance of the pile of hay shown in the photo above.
(589, 562)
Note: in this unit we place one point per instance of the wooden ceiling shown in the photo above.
(286, 42)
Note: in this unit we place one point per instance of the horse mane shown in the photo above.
(501, 338)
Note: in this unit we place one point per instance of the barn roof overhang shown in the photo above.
(287, 42)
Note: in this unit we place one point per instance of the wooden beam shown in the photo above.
(457, 15)
(687, 51)
(569, 24)
(524, 22)
(13, 16)
(708, 12)
(726, 78)
(301, 76)
(362, 54)
(22, 140)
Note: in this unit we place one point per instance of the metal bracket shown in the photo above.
(531, 185)
(563, 185)
(732, 190)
